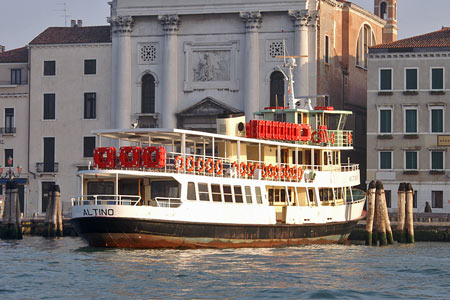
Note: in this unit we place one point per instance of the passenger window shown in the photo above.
(248, 194)
(191, 191)
(215, 191)
(203, 192)
(227, 196)
(258, 195)
(238, 194)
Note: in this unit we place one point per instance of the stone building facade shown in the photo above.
(408, 123)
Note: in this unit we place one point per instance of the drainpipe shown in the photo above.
(29, 111)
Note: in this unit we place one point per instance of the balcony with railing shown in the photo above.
(44, 167)
(8, 130)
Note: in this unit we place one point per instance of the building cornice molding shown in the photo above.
(361, 11)
(81, 45)
(334, 3)
(13, 95)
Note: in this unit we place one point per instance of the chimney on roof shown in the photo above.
(80, 23)
(2, 48)
(73, 23)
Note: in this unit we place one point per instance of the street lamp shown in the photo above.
(10, 173)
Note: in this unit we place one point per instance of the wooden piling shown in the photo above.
(409, 220)
(11, 221)
(380, 213)
(370, 212)
(385, 216)
(53, 216)
(401, 237)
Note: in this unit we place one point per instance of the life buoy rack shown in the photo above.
(179, 163)
(105, 157)
(190, 165)
(130, 156)
(153, 157)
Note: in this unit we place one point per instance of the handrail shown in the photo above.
(131, 200)
(167, 202)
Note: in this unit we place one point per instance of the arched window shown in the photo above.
(366, 38)
(383, 10)
(277, 89)
(148, 94)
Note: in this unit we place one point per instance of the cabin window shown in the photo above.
(215, 191)
(203, 192)
(238, 194)
(299, 156)
(191, 195)
(284, 156)
(227, 196)
(258, 195)
(163, 189)
(311, 195)
(248, 194)
(100, 188)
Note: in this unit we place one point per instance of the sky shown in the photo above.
(22, 20)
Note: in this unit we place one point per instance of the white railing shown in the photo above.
(130, 200)
(166, 202)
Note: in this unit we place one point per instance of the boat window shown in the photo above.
(238, 194)
(227, 196)
(300, 158)
(191, 195)
(311, 195)
(165, 189)
(203, 192)
(248, 194)
(258, 195)
(215, 191)
(100, 188)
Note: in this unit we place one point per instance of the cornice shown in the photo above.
(86, 45)
(365, 13)
(334, 3)
(13, 95)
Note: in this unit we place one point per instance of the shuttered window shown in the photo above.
(385, 79)
(385, 121)
(411, 120)
(411, 79)
(49, 106)
(437, 79)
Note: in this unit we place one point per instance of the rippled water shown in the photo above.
(38, 268)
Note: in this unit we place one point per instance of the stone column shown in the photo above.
(252, 21)
(301, 19)
(121, 71)
(169, 98)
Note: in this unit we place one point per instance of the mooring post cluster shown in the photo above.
(405, 226)
(53, 216)
(11, 221)
(378, 226)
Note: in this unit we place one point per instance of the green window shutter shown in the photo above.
(411, 79)
(411, 120)
(437, 120)
(385, 79)
(385, 121)
(437, 160)
(437, 79)
(385, 160)
(411, 160)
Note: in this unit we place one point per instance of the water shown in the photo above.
(38, 268)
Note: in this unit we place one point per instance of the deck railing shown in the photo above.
(131, 200)
(165, 202)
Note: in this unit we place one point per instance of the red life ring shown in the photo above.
(190, 165)
(250, 169)
(179, 163)
(270, 170)
(294, 173)
(282, 171)
(300, 173)
(288, 172)
(243, 169)
(315, 137)
(219, 167)
(264, 171)
(276, 171)
(210, 165)
(332, 138)
(350, 138)
(201, 162)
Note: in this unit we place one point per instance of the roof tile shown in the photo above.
(73, 35)
(18, 55)
(436, 39)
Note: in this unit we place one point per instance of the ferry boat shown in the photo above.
(277, 180)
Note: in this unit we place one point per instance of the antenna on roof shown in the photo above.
(63, 10)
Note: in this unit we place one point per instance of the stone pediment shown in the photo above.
(208, 107)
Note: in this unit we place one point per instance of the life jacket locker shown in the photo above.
(130, 156)
(269, 130)
(154, 157)
(275, 131)
(105, 157)
(261, 129)
(281, 130)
